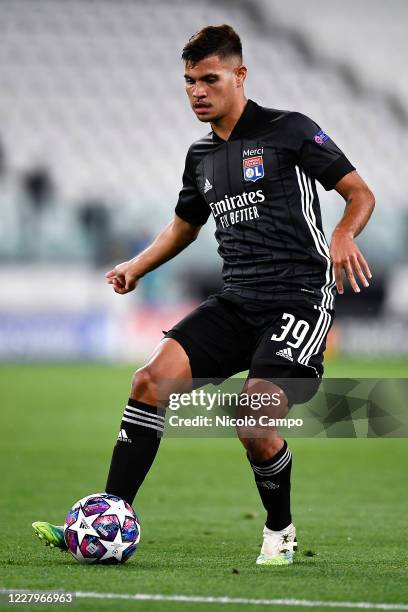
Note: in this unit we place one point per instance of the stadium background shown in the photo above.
(94, 127)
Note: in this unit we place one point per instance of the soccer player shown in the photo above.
(255, 173)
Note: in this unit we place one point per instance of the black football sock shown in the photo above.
(272, 478)
(140, 433)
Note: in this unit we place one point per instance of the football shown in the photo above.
(101, 528)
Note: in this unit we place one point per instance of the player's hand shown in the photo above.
(347, 257)
(123, 278)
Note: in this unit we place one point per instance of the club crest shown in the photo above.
(253, 168)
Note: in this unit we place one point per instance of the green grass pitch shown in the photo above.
(350, 501)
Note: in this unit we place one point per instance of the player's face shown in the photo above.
(213, 85)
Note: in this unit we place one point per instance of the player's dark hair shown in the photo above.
(219, 40)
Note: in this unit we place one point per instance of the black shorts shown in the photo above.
(226, 335)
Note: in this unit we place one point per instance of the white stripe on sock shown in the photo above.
(142, 417)
(272, 470)
(266, 468)
(144, 412)
(142, 424)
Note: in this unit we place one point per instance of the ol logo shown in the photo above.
(253, 168)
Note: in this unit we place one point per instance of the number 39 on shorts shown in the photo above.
(296, 328)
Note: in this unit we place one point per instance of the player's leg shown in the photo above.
(142, 422)
(271, 462)
(290, 355)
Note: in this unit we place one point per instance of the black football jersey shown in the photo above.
(259, 186)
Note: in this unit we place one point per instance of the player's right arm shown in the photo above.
(192, 213)
(175, 237)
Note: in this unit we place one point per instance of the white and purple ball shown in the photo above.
(101, 528)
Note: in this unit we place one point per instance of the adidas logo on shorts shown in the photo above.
(286, 353)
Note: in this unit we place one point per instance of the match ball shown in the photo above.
(101, 528)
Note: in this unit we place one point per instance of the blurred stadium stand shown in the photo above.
(368, 44)
(94, 127)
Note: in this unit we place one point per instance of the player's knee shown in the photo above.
(262, 449)
(144, 385)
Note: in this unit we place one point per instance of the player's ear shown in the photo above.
(240, 75)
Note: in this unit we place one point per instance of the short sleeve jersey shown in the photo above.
(259, 186)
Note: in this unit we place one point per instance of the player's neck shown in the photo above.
(224, 126)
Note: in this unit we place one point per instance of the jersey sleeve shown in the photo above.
(191, 206)
(316, 152)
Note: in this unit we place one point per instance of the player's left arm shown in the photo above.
(345, 254)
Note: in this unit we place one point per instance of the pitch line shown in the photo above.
(302, 603)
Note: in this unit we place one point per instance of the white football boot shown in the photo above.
(278, 547)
